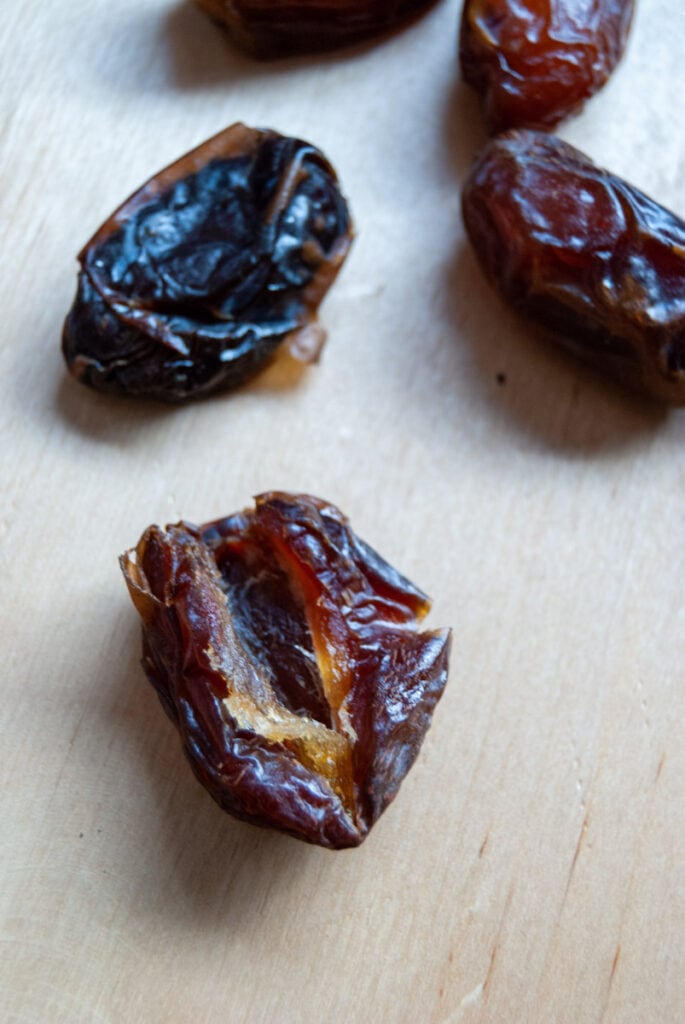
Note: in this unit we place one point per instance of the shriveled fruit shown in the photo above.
(196, 280)
(288, 654)
(536, 61)
(273, 28)
(582, 253)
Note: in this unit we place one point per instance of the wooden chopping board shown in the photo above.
(531, 869)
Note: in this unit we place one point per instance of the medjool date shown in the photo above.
(536, 61)
(582, 253)
(288, 655)
(272, 28)
(196, 280)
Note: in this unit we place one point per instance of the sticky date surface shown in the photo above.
(195, 281)
(272, 28)
(288, 654)
(579, 251)
(536, 61)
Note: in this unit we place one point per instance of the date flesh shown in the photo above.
(535, 62)
(273, 28)
(193, 284)
(584, 254)
(288, 655)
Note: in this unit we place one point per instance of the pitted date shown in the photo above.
(288, 655)
(536, 61)
(206, 270)
(582, 253)
(273, 28)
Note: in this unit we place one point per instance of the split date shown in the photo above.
(289, 656)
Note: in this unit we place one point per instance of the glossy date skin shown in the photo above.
(196, 280)
(584, 254)
(534, 62)
(288, 655)
(276, 28)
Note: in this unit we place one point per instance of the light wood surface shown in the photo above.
(531, 869)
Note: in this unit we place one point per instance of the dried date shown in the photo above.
(269, 28)
(288, 655)
(536, 61)
(585, 255)
(193, 284)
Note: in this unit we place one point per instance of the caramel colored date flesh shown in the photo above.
(288, 655)
(193, 284)
(534, 62)
(585, 255)
(273, 28)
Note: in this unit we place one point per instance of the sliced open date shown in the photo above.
(274, 28)
(536, 61)
(584, 254)
(288, 655)
(206, 270)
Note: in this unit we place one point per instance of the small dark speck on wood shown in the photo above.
(501, 379)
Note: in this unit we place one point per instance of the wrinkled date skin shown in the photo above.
(584, 254)
(288, 655)
(195, 281)
(534, 62)
(276, 28)
(273, 28)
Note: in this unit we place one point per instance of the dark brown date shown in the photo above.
(206, 270)
(536, 61)
(273, 28)
(288, 655)
(587, 256)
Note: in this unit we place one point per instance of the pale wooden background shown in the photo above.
(531, 868)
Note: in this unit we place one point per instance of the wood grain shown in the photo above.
(531, 869)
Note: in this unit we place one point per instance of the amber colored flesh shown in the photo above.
(584, 254)
(278, 629)
(534, 62)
